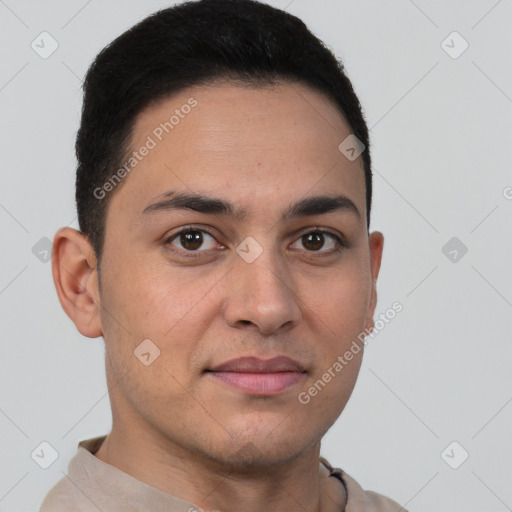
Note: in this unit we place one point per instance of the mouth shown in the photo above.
(259, 377)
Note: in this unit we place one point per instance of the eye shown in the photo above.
(191, 239)
(314, 240)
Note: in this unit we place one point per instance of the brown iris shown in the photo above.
(315, 238)
(191, 239)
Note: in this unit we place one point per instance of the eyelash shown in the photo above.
(340, 244)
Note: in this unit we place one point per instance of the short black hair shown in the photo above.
(194, 43)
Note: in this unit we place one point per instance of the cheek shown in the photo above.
(150, 298)
(157, 392)
(327, 392)
(338, 310)
(167, 308)
(341, 301)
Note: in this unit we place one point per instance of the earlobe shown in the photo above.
(376, 245)
(74, 269)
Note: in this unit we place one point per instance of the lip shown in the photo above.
(257, 365)
(259, 377)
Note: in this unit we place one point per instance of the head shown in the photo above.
(222, 118)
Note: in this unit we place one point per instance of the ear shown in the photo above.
(376, 245)
(74, 269)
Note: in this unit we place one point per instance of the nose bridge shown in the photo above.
(261, 267)
(261, 291)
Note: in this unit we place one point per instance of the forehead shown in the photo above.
(256, 145)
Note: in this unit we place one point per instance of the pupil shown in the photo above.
(319, 240)
(192, 239)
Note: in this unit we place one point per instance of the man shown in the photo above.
(223, 195)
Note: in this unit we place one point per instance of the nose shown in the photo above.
(260, 295)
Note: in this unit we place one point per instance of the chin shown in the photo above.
(258, 450)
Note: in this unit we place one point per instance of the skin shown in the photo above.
(261, 149)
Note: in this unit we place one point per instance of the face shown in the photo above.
(251, 282)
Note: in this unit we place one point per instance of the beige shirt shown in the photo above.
(91, 485)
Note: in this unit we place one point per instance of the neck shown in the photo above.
(303, 483)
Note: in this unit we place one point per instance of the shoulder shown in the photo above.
(361, 500)
(61, 497)
(71, 491)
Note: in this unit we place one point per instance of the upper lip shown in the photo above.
(257, 365)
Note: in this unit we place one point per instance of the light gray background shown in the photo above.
(441, 134)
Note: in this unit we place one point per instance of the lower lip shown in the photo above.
(260, 384)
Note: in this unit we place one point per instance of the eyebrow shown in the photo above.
(316, 205)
